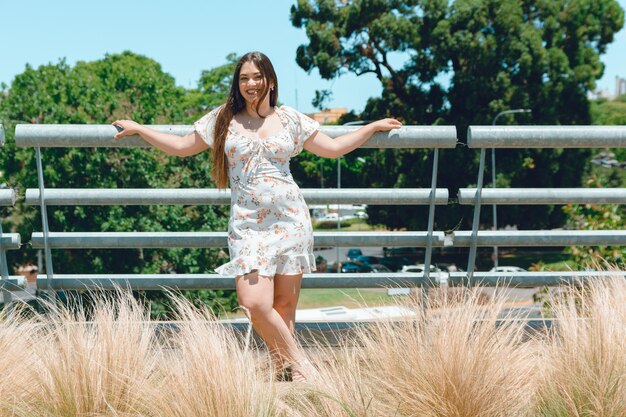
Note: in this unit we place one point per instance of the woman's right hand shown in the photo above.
(128, 127)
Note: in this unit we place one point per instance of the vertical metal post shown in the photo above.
(494, 207)
(493, 175)
(4, 271)
(471, 261)
(4, 267)
(338, 211)
(44, 223)
(431, 222)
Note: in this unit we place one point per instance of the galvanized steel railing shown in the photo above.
(39, 136)
(483, 137)
(434, 137)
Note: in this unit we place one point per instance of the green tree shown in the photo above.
(461, 63)
(597, 216)
(213, 88)
(123, 85)
(610, 112)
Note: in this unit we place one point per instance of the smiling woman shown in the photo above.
(270, 236)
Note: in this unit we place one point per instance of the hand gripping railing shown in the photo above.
(102, 136)
(483, 137)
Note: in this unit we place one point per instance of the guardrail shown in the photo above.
(483, 137)
(435, 137)
(38, 136)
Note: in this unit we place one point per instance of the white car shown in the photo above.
(328, 217)
(507, 269)
(419, 268)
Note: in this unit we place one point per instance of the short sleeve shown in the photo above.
(303, 127)
(206, 125)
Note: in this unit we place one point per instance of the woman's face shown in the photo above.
(251, 82)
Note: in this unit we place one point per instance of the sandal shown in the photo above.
(302, 371)
(284, 375)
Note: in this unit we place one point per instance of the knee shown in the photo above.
(255, 308)
(284, 303)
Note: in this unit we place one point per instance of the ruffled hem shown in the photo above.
(283, 265)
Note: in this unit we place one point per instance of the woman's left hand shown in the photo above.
(384, 125)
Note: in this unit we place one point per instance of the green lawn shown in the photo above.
(348, 297)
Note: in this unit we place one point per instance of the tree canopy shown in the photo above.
(462, 62)
(118, 86)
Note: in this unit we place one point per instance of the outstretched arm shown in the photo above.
(188, 145)
(323, 145)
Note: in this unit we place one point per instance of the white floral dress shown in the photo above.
(269, 228)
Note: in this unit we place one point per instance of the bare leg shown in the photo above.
(256, 294)
(286, 294)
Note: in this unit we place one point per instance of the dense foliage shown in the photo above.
(461, 63)
(598, 216)
(119, 86)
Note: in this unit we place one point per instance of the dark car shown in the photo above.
(367, 260)
(379, 268)
(411, 253)
(395, 263)
(354, 253)
(355, 267)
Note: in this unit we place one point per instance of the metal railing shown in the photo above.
(483, 137)
(435, 137)
(38, 136)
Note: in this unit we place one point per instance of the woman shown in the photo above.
(270, 236)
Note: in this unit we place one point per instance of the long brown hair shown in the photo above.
(236, 103)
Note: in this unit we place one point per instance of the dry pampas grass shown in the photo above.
(456, 358)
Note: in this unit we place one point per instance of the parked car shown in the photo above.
(395, 263)
(355, 267)
(408, 251)
(330, 217)
(367, 260)
(354, 253)
(419, 268)
(450, 268)
(379, 268)
(507, 269)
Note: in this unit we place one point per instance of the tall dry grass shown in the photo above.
(584, 365)
(206, 371)
(17, 363)
(453, 360)
(94, 361)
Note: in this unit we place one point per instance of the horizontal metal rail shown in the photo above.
(528, 279)
(215, 281)
(7, 197)
(147, 196)
(541, 238)
(13, 283)
(324, 280)
(522, 196)
(120, 240)
(546, 137)
(10, 241)
(71, 136)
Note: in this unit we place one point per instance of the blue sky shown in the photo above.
(188, 36)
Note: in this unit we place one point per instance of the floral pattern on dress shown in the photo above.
(269, 228)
